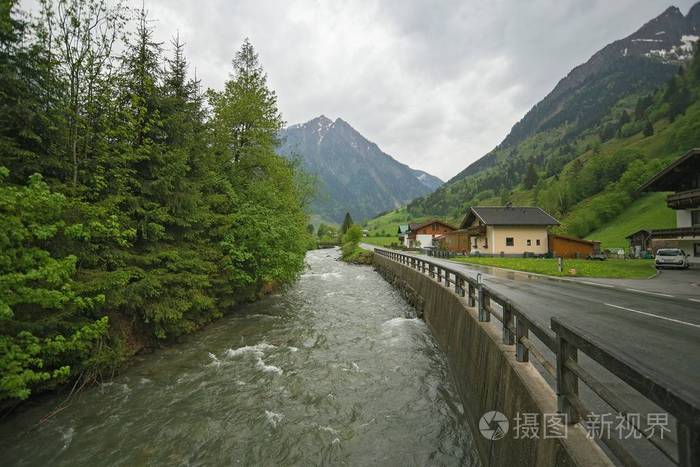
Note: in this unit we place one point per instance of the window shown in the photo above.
(537, 242)
(509, 241)
(529, 242)
(695, 217)
(696, 250)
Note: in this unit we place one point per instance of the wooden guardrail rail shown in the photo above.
(565, 340)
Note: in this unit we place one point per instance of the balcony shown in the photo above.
(684, 199)
(679, 232)
(476, 231)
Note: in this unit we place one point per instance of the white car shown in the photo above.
(671, 258)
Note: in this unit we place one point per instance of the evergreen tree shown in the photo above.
(679, 102)
(624, 120)
(642, 105)
(347, 223)
(21, 80)
(127, 209)
(245, 112)
(531, 177)
(648, 129)
(269, 212)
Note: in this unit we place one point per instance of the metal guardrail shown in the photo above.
(565, 340)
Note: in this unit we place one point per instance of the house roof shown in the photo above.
(415, 227)
(403, 228)
(508, 215)
(646, 231)
(575, 239)
(677, 176)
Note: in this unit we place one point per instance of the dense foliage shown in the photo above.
(583, 171)
(134, 206)
(350, 246)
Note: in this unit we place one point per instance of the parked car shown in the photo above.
(597, 257)
(671, 258)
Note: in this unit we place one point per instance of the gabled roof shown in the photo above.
(415, 227)
(646, 231)
(677, 175)
(508, 215)
(403, 228)
(575, 239)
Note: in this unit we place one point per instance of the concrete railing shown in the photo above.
(565, 341)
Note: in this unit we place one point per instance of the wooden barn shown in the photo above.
(456, 241)
(571, 247)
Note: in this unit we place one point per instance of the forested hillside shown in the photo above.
(584, 163)
(135, 207)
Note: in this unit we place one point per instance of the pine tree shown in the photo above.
(267, 193)
(531, 177)
(347, 223)
(624, 120)
(146, 209)
(21, 80)
(245, 112)
(679, 102)
(648, 129)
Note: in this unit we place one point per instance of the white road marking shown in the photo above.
(694, 300)
(598, 284)
(651, 293)
(653, 315)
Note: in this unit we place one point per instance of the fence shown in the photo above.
(565, 341)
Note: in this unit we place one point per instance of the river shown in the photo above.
(334, 370)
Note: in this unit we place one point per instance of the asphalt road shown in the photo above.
(660, 332)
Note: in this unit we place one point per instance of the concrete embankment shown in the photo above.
(489, 378)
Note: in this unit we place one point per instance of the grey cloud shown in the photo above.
(436, 84)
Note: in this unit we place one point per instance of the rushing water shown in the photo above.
(334, 370)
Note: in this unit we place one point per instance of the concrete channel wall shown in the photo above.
(488, 377)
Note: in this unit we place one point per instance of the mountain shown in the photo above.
(354, 175)
(586, 108)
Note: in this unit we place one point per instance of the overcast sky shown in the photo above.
(435, 83)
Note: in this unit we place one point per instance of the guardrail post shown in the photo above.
(521, 352)
(482, 299)
(459, 285)
(423, 263)
(688, 445)
(439, 274)
(508, 338)
(471, 299)
(431, 271)
(567, 381)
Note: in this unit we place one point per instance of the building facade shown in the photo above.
(508, 230)
(682, 178)
(422, 235)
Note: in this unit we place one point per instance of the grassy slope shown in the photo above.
(648, 212)
(611, 268)
(387, 225)
(380, 241)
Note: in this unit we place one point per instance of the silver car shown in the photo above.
(671, 258)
